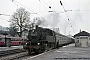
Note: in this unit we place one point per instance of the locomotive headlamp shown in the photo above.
(26, 43)
(32, 30)
(38, 43)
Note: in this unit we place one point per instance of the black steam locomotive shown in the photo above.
(43, 39)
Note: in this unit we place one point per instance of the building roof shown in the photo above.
(83, 33)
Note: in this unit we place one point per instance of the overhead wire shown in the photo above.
(49, 6)
(67, 15)
(28, 9)
(74, 10)
(14, 2)
(52, 9)
(22, 5)
(43, 5)
(33, 11)
(55, 11)
(46, 4)
(80, 8)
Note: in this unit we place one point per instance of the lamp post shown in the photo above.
(5, 37)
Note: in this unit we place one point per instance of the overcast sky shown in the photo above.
(78, 17)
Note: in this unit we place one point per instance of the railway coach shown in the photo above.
(11, 41)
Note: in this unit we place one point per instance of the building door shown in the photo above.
(84, 43)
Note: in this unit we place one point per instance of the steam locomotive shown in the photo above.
(43, 39)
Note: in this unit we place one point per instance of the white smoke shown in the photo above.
(52, 20)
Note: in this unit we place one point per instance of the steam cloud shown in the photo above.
(52, 20)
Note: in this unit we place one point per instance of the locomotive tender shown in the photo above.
(43, 39)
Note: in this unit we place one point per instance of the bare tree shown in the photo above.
(12, 31)
(21, 20)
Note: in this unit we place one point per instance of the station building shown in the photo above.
(82, 39)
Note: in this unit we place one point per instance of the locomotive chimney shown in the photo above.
(36, 26)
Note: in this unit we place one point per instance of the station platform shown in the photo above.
(70, 45)
(69, 52)
(10, 48)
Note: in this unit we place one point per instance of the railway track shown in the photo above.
(28, 57)
(21, 56)
(14, 56)
(9, 52)
(17, 56)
